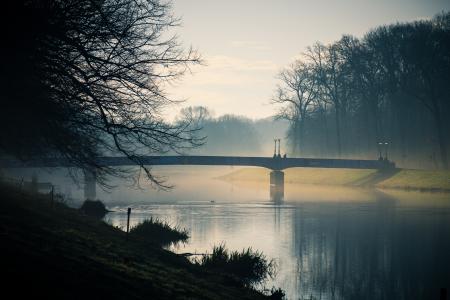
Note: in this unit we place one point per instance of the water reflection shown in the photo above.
(276, 186)
(374, 251)
(329, 243)
(276, 193)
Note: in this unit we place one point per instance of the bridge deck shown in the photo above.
(265, 162)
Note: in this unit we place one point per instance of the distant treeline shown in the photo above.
(232, 134)
(391, 86)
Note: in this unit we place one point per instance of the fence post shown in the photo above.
(443, 294)
(128, 221)
(53, 195)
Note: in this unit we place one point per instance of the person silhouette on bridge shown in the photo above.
(275, 149)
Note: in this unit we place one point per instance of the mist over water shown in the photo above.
(109, 108)
(328, 242)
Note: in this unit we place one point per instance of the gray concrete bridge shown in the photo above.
(272, 163)
(276, 164)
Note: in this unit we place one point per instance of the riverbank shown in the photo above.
(52, 251)
(424, 180)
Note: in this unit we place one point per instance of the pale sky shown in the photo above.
(245, 43)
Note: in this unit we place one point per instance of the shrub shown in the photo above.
(159, 232)
(248, 265)
(277, 294)
(94, 208)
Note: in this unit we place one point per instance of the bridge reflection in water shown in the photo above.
(276, 186)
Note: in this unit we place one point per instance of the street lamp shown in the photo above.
(275, 148)
(380, 145)
(279, 147)
(386, 150)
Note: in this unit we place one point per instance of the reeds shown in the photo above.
(159, 232)
(248, 266)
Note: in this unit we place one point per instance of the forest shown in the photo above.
(231, 134)
(385, 94)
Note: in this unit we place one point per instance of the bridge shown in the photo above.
(276, 163)
(273, 163)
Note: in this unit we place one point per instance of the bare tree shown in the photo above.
(296, 93)
(196, 116)
(368, 91)
(391, 86)
(425, 72)
(325, 62)
(89, 77)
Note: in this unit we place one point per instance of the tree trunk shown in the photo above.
(325, 126)
(441, 140)
(338, 130)
(440, 131)
(301, 136)
(295, 141)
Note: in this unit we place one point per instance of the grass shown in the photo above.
(55, 252)
(419, 180)
(302, 175)
(398, 178)
(159, 232)
(326, 176)
(251, 267)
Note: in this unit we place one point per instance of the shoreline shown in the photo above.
(437, 181)
(60, 253)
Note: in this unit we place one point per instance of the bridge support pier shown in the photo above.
(277, 186)
(90, 179)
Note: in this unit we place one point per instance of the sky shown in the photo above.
(245, 43)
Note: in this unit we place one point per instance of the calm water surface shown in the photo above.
(328, 243)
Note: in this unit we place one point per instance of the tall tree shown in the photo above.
(81, 76)
(425, 51)
(391, 86)
(296, 93)
(330, 71)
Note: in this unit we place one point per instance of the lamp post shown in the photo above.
(275, 148)
(380, 145)
(279, 147)
(386, 150)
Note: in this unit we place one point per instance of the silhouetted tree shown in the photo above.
(425, 50)
(224, 135)
(391, 86)
(80, 77)
(196, 116)
(331, 73)
(296, 93)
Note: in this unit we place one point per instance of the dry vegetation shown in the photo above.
(400, 178)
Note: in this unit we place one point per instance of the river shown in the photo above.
(327, 242)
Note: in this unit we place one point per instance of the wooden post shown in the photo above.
(90, 179)
(443, 294)
(128, 221)
(53, 195)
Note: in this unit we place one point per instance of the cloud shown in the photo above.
(229, 85)
(221, 70)
(224, 62)
(253, 45)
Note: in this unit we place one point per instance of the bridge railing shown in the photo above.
(276, 163)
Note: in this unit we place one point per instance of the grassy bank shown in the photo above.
(159, 232)
(248, 265)
(53, 251)
(400, 178)
(418, 180)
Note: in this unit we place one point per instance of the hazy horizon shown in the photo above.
(245, 44)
